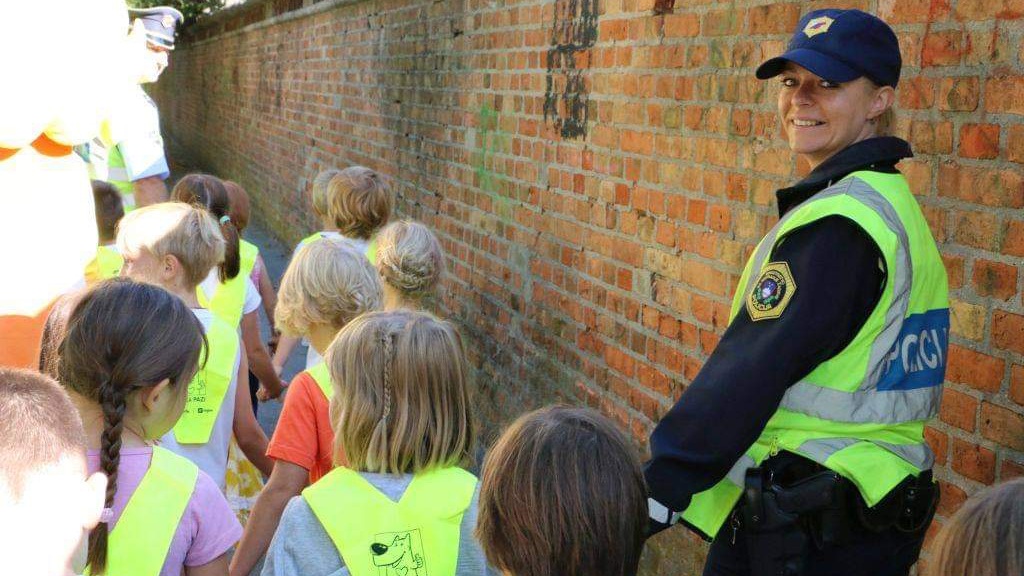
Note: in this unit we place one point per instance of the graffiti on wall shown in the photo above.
(565, 95)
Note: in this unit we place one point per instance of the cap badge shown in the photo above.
(818, 25)
(168, 21)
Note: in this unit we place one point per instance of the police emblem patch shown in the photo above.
(772, 292)
(167, 21)
(817, 26)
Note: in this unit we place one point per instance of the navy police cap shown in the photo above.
(160, 23)
(839, 46)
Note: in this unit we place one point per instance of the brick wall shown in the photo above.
(599, 169)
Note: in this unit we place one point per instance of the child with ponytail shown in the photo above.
(174, 246)
(126, 355)
(402, 415)
(230, 293)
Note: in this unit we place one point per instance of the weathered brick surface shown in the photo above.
(599, 172)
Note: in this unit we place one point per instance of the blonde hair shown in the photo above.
(985, 537)
(402, 400)
(186, 232)
(330, 282)
(359, 202)
(320, 191)
(410, 259)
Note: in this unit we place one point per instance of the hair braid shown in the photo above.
(112, 400)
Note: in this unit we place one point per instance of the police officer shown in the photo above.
(129, 153)
(798, 448)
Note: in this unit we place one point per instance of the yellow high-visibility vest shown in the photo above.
(209, 387)
(418, 533)
(140, 540)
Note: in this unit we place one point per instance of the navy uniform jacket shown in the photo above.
(723, 411)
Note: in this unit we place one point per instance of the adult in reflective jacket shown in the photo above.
(798, 448)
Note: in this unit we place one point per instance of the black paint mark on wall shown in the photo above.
(565, 94)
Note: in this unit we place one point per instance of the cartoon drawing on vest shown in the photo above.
(398, 554)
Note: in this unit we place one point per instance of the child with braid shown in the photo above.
(174, 246)
(326, 286)
(126, 355)
(411, 263)
(402, 415)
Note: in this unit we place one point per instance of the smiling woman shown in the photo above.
(821, 375)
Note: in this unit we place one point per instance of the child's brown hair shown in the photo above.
(562, 494)
(985, 537)
(206, 191)
(39, 427)
(405, 406)
(121, 337)
(109, 209)
(359, 202)
(319, 192)
(240, 207)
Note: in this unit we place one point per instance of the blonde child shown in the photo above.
(327, 285)
(356, 203)
(48, 500)
(563, 495)
(229, 293)
(985, 537)
(402, 416)
(175, 245)
(126, 355)
(411, 263)
(109, 211)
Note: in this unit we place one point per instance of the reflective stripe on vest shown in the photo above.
(142, 537)
(419, 534)
(107, 264)
(323, 379)
(228, 302)
(371, 246)
(117, 174)
(206, 392)
(862, 412)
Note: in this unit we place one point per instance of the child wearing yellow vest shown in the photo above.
(562, 494)
(353, 204)
(175, 245)
(328, 284)
(109, 211)
(411, 264)
(126, 351)
(48, 499)
(402, 415)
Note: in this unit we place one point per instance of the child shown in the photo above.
(240, 213)
(404, 423)
(175, 245)
(411, 263)
(563, 495)
(230, 294)
(48, 501)
(985, 537)
(358, 203)
(126, 355)
(109, 211)
(326, 285)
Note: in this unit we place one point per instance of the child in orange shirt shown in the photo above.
(328, 284)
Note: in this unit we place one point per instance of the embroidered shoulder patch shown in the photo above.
(772, 292)
(817, 26)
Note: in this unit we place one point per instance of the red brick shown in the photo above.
(1002, 425)
(942, 48)
(958, 409)
(913, 12)
(773, 19)
(1013, 238)
(998, 188)
(917, 93)
(1002, 94)
(979, 141)
(1017, 384)
(977, 229)
(681, 25)
(975, 10)
(939, 443)
(975, 369)
(1010, 470)
(974, 462)
(959, 93)
(954, 269)
(1015, 143)
(1008, 331)
(931, 137)
(951, 498)
(995, 279)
